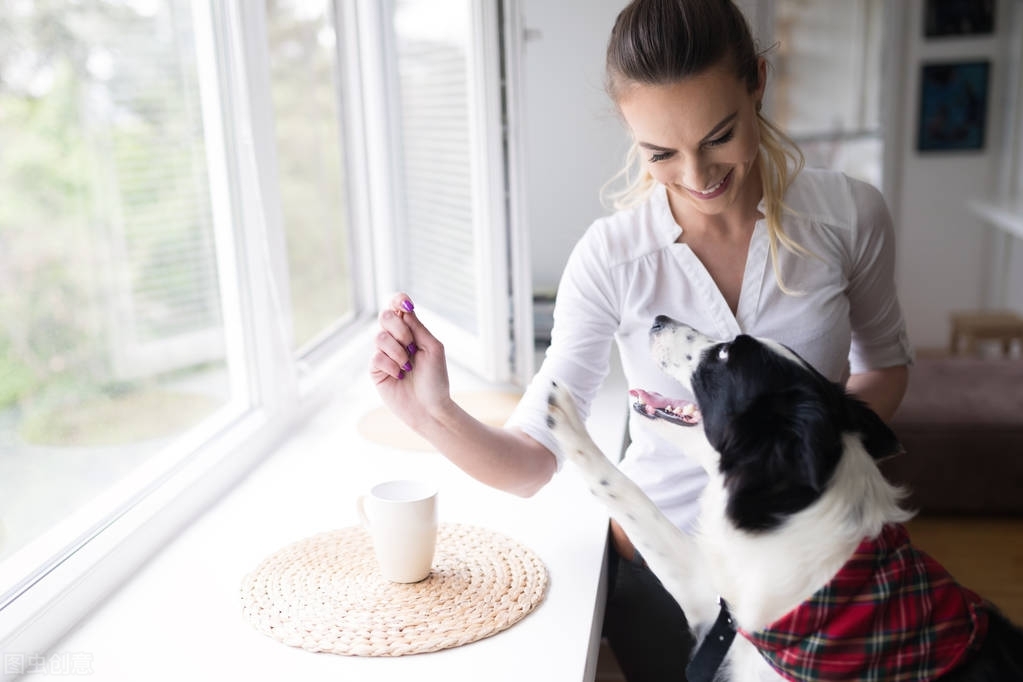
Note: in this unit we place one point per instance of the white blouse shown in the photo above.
(627, 269)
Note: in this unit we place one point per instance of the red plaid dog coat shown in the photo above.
(892, 613)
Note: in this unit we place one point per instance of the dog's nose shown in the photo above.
(660, 322)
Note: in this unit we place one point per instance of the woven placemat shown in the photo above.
(326, 594)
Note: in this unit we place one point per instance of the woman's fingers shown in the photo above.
(394, 341)
(382, 367)
(401, 302)
(401, 336)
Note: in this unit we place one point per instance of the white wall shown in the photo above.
(574, 143)
(945, 251)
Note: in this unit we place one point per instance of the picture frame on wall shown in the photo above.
(958, 18)
(953, 105)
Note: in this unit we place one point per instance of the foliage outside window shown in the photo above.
(113, 342)
(111, 339)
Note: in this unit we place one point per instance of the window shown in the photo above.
(820, 44)
(200, 205)
(305, 76)
(157, 154)
(457, 239)
(112, 340)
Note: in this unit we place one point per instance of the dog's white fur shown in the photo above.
(761, 576)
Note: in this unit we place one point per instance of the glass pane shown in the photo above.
(821, 43)
(111, 341)
(432, 39)
(304, 87)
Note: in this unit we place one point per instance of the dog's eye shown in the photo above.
(723, 353)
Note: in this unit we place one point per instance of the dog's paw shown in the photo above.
(562, 415)
(566, 425)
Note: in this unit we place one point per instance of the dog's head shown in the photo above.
(776, 423)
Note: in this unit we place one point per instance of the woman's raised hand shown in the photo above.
(408, 367)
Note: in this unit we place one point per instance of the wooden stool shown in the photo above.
(991, 325)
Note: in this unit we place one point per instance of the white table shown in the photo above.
(179, 618)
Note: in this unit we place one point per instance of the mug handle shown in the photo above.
(361, 509)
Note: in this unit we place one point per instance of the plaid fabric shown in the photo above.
(892, 613)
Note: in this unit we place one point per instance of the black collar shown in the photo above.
(712, 649)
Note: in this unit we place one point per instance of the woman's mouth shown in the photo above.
(656, 406)
(714, 190)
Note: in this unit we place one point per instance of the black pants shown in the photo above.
(644, 624)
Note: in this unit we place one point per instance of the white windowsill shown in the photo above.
(179, 616)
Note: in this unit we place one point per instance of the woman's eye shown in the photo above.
(659, 156)
(721, 140)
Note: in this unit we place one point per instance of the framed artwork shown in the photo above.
(958, 17)
(953, 106)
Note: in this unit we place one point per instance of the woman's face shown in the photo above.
(699, 138)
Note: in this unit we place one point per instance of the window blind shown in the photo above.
(164, 302)
(432, 39)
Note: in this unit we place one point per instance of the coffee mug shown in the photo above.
(401, 517)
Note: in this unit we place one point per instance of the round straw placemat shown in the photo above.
(326, 594)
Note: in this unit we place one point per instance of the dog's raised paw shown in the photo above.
(565, 423)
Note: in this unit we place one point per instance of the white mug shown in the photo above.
(401, 517)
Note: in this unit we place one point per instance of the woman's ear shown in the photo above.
(758, 93)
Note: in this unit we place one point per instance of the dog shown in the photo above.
(800, 546)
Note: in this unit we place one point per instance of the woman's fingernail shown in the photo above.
(412, 348)
(407, 305)
(407, 367)
(401, 375)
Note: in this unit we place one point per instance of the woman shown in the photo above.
(720, 193)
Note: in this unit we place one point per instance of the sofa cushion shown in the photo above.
(961, 424)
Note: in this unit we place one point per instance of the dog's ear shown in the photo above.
(777, 456)
(878, 438)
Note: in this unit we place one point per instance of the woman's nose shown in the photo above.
(693, 175)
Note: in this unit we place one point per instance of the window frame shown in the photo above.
(68, 571)
(277, 386)
(501, 349)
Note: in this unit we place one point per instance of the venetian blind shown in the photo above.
(164, 306)
(438, 256)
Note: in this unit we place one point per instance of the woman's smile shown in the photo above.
(714, 190)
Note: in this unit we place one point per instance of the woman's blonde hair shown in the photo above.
(657, 42)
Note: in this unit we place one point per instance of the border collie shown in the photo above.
(800, 537)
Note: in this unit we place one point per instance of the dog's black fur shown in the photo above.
(777, 427)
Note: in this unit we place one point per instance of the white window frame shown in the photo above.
(74, 566)
(502, 350)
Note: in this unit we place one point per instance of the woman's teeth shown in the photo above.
(712, 189)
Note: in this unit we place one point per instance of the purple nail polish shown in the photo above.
(407, 367)
(401, 374)
(407, 305)
(412, 348)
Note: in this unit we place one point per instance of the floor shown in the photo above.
(985, 554)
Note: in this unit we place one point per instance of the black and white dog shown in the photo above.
(800, 535)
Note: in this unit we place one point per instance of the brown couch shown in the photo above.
(961, 424)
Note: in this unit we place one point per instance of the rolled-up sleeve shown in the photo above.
(879, 337)
(585, 321)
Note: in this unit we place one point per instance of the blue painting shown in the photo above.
(953, 106)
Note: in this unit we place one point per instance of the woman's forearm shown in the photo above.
(881, 389)
(502, 458)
